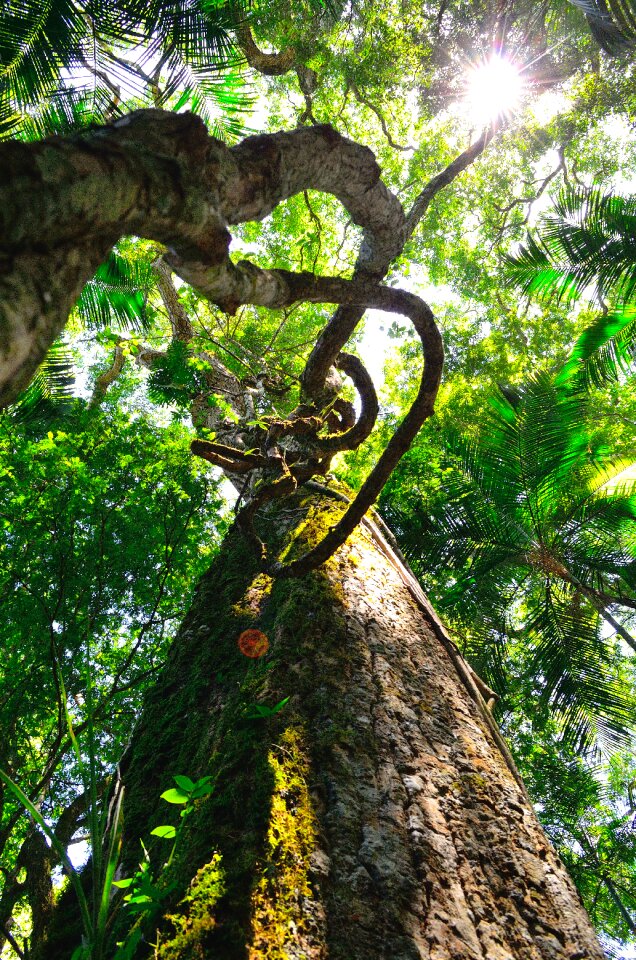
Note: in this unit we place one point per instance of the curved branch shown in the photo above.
(279, 288)
(360, 430)
(269, 64)
(422, 318)
(277, 64)
(59, 214)
(373, 263)
(109, 376)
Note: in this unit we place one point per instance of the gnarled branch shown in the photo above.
(177, 185)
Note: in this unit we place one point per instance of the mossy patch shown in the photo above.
(282, 897)
(195, 920)
(251, 602)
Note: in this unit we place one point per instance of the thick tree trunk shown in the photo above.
(373, 816)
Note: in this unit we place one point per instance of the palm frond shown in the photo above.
(50, 390)
(589, 242)
(177, 40)
(605, 351)
(612, 23)
(521, 527)
(36, 42)
(576, 670)
(117, 294)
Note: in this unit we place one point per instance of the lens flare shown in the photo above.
(493, 89)
(253, 643)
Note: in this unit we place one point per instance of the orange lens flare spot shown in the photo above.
(253, 643)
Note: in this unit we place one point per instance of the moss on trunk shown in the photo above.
(372, 816)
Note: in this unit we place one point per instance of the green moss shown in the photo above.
(251, 603)
(195, 722)
(475, 783)
(195, 921)
(282, 890)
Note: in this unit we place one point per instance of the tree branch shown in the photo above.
(60, 216)
(109, 376)
(269, 64)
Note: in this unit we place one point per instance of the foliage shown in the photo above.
(67, 65)
(523, 541)
(116, 295)
(147, 889)
(103, 527)
(586, 246)
(51, 390)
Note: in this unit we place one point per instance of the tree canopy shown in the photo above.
(507, 514)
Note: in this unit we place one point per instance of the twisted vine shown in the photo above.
(59, 217)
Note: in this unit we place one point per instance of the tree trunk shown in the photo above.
(373, 816)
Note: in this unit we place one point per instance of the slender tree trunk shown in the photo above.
(373, 816)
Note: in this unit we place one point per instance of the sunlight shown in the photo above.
(493, 89)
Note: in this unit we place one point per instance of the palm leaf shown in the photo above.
(612, 23)
(577, 671)
(182, 39)
(37, 40)
(590, 241)
(116, 296)
(50, 391)
(604, 352)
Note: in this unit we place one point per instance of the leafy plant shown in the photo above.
(525, 543)
(147, 890)
(116, 295)
(260, 711)
(188, 46)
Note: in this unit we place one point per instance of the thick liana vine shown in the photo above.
(181, 187)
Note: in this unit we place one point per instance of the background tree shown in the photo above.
(525, 543)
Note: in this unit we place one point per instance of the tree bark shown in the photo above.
(373, 816)
(67, 200)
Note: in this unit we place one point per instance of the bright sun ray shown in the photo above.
(493, 90)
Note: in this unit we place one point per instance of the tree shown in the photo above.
(87, 609)
(278, 451)
(165, 194)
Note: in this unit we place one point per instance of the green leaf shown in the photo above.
(167, 832)
(175, 796)
(259, 711)
(279, 706)
(184, 783)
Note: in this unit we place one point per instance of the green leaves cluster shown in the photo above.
(177, 376)
(187, 48)
(104, 528)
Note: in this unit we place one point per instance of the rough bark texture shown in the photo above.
(373, 817)
(67, 200)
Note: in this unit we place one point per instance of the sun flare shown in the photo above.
(493, 89)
